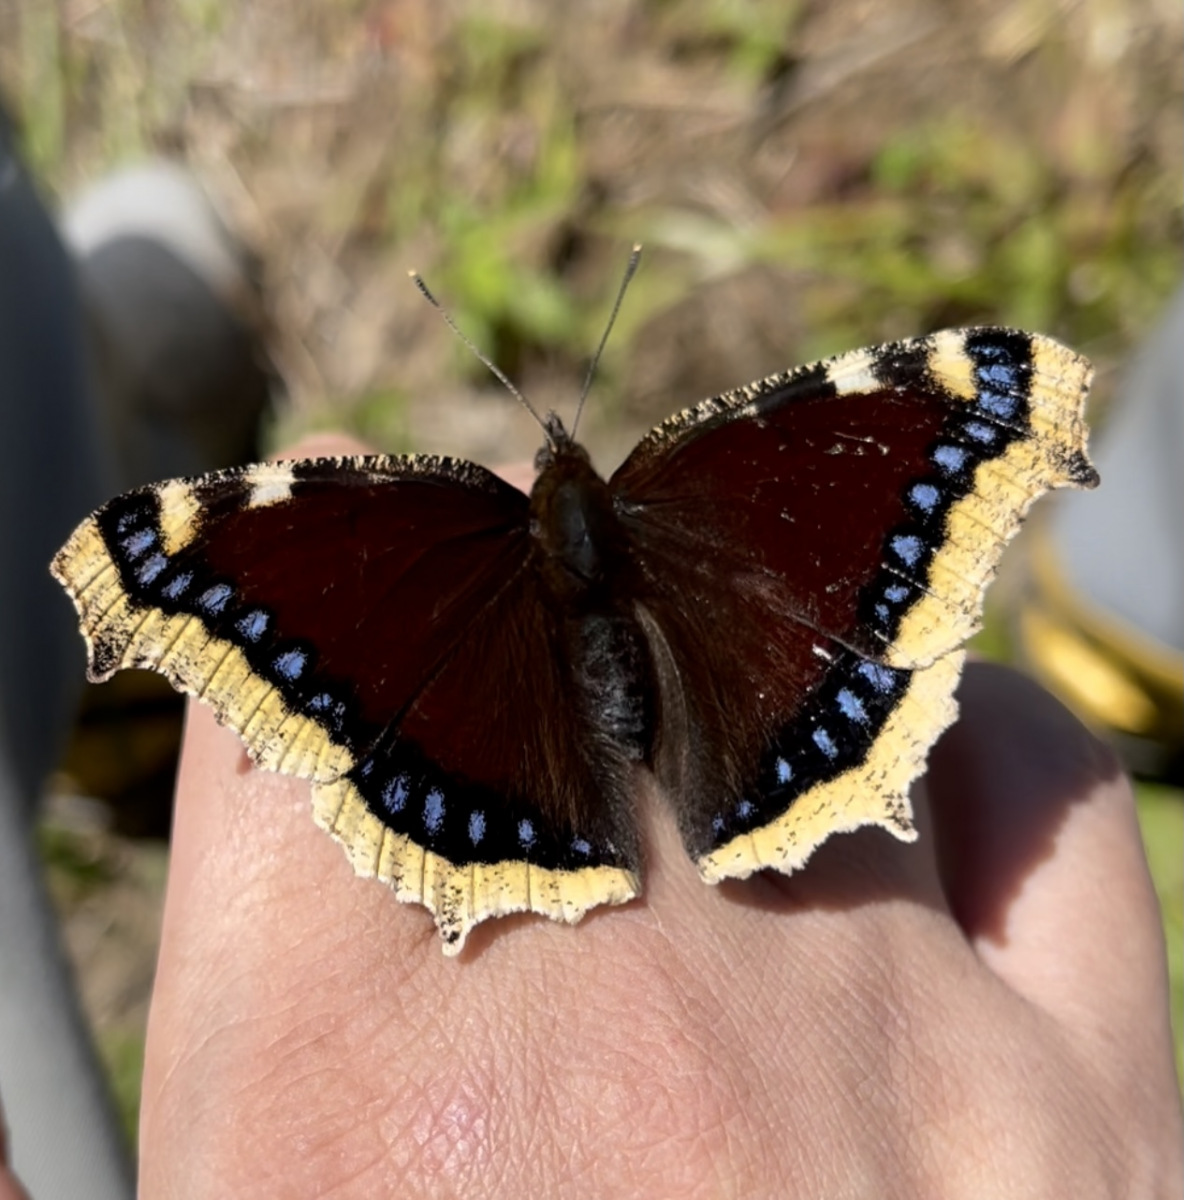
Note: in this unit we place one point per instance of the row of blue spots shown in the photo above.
(137, 537)
(996, 368)
(926, 496)
(893, 594)
(981, 432)
(252, 625)
(907, 547)
(884, 679)
(999, 384)
(851, 707)
(951, 459)
(215, 598)
(137, 543)
(396, 792)
(290, 664)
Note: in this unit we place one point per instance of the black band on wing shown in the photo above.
(971, 435)
(184, 583)
(459, 819)
(833, 732)
(466, 822)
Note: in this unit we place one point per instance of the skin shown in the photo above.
(982, 1013)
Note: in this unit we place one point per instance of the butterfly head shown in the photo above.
(558, 444)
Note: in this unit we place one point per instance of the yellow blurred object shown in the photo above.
(1113, 675)
(1084, 676)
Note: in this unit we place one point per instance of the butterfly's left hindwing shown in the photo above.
(815, 548)
(337, 614)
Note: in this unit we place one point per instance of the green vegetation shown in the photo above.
(122, 1052)
(1161, 816)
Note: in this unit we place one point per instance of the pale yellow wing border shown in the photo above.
(874, 792)
(460, 897)
(980, 525)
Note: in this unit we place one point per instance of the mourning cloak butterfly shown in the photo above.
(763, 606)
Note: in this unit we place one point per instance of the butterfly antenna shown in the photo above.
(476, 352)
(630, 271)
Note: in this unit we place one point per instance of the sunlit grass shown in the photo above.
(1161, 817)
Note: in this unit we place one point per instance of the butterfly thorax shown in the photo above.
(573, 522)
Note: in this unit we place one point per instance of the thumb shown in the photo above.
(1044, 868)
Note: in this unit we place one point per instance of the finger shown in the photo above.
(9, 1188)
(325, 445)
(1044, 865)
(520, 474)
(333, 445)
(278, 968)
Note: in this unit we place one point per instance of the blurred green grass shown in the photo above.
(1161, 819)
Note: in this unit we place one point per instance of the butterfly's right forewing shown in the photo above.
(814, 550)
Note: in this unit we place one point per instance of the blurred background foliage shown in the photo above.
(806, 177)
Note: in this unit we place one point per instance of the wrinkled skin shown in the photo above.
(982, 1013)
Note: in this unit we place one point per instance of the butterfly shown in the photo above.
(763, 607)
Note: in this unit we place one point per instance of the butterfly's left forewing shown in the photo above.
(815, 548)
(339, 615)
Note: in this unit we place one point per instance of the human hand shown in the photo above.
(10, 1189)
(981, 1013)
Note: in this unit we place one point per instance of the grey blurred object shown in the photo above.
(1126, 551)
(1102, 619)
(63, 1139)
(137, 360)
(175, 325)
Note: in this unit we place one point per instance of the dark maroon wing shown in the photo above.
(376, 626)
(814, 550)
